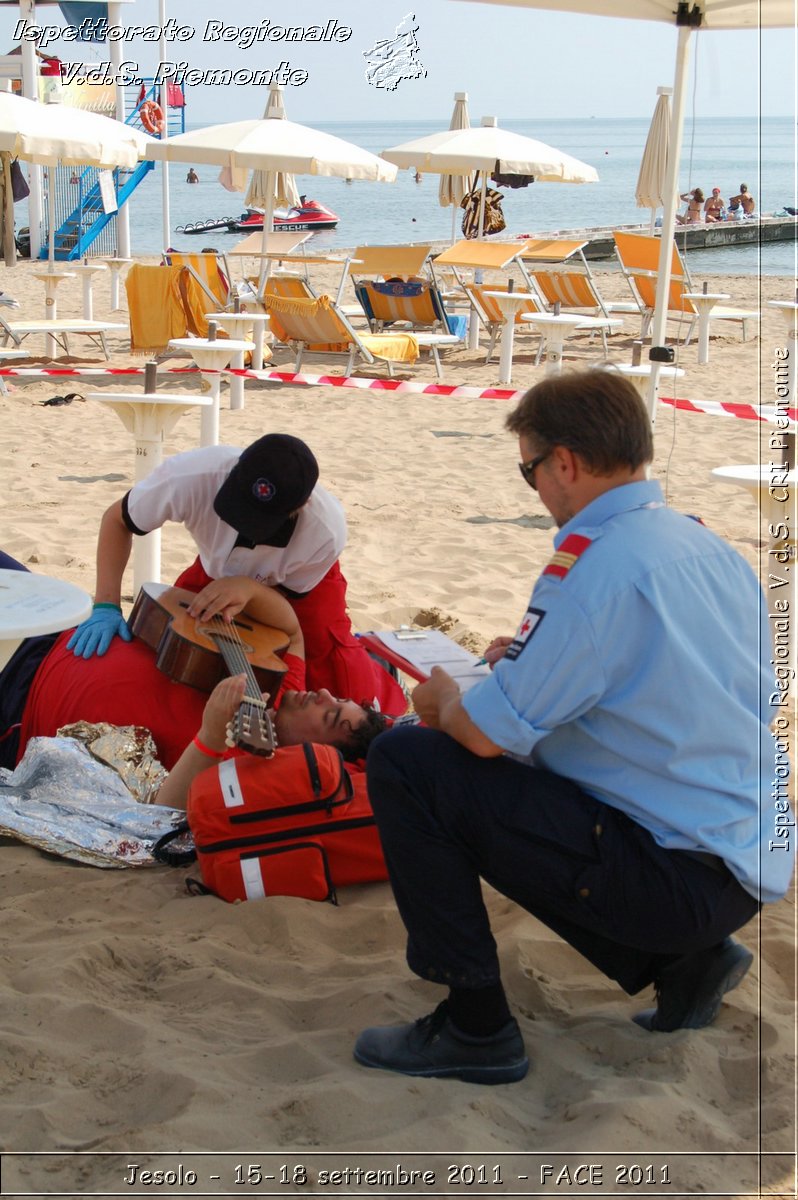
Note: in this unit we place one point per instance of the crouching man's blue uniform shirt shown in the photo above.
(642, 671)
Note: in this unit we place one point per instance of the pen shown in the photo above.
(482, 662)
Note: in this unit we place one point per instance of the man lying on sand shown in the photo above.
(612, 774)
(44, 687)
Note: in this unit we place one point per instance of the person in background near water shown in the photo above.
(192, 176)
(741, 205)
(260, 513)
(695, 208)
(715, 207)
(612, 775)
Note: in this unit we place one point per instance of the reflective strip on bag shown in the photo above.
(252, 879)
(229, 783)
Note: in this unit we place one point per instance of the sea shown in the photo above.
(717, 152)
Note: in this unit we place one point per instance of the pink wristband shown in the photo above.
(207, 750)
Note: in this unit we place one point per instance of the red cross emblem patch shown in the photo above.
(530, 623)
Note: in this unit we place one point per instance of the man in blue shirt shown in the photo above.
(611, 776)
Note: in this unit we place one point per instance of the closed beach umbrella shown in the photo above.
(51, 133)
(699, 14)
(274, 144)
(650, 190)
(285, 189)
(488, 149)
(453, 188)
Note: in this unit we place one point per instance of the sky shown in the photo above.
(513, 63)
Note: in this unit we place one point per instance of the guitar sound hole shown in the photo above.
(221, 635)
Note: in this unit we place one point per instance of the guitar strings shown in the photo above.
(238, 656)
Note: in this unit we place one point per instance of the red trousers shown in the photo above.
(334, 658)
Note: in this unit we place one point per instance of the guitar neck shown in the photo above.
(237, 663)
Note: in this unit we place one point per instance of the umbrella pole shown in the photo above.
(482, 195)
(51, 214)
(268, 217)
(659, 322)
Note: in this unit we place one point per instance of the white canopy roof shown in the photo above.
(715, 14)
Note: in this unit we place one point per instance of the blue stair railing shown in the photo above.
(80, 194)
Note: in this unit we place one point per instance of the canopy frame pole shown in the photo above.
(667, 239)
(165, 203)
(115, 17)
(30, 89)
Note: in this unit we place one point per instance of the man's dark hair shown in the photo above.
(597, 414)
(356, 745)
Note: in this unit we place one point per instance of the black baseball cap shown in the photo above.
(272, 478)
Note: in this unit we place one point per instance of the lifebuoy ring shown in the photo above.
(152, 117)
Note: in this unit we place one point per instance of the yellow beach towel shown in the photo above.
(163, 303)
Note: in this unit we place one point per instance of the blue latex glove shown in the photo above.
(97, 632)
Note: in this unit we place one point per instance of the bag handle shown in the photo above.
(162, 853)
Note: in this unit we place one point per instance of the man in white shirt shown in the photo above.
(259, 512)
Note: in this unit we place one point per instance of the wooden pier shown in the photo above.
(600, 243)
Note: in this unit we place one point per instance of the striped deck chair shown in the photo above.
(389, 262)
(208, 272)
(319, 327)
(489, 313)
(466, 262)
(559, 272)
(638, 255)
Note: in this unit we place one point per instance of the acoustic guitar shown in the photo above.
(201, 653)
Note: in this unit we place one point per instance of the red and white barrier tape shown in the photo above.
(406, 387)
(747, 411)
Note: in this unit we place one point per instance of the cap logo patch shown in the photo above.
(263, 489)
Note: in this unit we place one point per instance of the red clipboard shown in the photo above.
(375, 646)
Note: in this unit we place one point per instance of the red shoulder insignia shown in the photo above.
(564, 558)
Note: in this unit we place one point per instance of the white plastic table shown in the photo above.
(775, 494)
(86, 270)
(789, 310)
(510, 303)
(212, 356)
(640, 374)
(148, 416)
(247, 326)
(703, 303)
(557, 328)
(51, 280)
(34, 604)
(116, 267)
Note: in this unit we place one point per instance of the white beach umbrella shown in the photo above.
(488, 149)
(48, 134)
(453, 188)
(687, 17)
(285, 189)
(273, 144)
(650, 190)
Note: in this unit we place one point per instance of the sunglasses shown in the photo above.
(528, 469)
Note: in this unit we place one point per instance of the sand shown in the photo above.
(140, 1019)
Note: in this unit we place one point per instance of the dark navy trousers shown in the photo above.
(593, 875)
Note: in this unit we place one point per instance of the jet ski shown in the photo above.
(307, 215)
